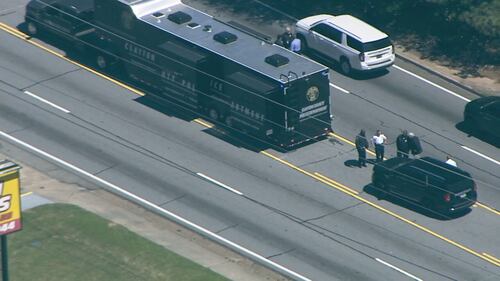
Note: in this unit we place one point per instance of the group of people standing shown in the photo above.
(406, 143)
(289, 41)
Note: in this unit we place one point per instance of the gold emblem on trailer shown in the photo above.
(312, 93)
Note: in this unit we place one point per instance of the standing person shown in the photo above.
(378, 141)
(361, 146)
(414, 144)
(286, 38)
(450, 161)
(295, 45)
(402, 144)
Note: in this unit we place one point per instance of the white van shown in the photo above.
(347, 40)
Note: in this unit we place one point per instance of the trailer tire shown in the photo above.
(229, 121)
(101, 61)
(213, 114)
(32, 28)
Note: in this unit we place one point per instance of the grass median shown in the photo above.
(62, 242)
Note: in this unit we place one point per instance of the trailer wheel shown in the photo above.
(101, 61)
(213, 114)
(229, 121)
(32, 28)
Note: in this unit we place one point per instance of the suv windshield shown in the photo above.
(368, 46)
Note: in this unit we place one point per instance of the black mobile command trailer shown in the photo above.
(217, 70)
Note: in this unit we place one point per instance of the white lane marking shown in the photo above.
(47, 102)
(432, 83)
(219, 183)
(179, 219)
(398, 269)
(482, 155)
(340, 89)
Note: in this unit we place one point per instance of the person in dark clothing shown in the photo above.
(286, 38)
(361, 146)
(402, 144)
(414, 144)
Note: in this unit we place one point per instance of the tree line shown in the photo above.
(465, 32)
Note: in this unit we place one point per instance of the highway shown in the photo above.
(305, 210)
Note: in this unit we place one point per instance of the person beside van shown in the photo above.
(414, 144)
(361, 146)
(402, 145)
(379, 141)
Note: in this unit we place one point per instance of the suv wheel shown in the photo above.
(345, 66)
(32, 28)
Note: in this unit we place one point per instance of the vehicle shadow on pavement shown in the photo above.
(473, 132)
(417, 208)
(222, 132)
(152, 99)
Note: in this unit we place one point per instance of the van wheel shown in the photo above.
(32, 28)
(428, 204)
(380, 190)
(345, 66)
(101, 61)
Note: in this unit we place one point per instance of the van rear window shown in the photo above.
(368, 46)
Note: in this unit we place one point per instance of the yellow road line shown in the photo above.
(420, 227)
(494, 261)
(349, 142)
(492, 257)
(488, 208)
(25, 37)
(324, 180)
(336, 183)
(13, 30)
(372, 153)
(26, 194)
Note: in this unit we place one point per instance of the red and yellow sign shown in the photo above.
(10, 199)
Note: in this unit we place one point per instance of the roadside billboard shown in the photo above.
(10, 199)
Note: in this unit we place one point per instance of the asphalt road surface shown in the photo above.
(269, 202)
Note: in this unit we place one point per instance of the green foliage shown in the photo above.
(467, 32)
(65, 243)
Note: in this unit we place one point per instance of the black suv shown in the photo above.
(68, 18)
(427, 181)
(484, 114)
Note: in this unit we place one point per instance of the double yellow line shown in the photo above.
(319, 177)
(27, 38)
(355, 194)
(486, 207)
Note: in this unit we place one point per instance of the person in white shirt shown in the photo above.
(450, 161)
(378, 141)
(295, 45)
